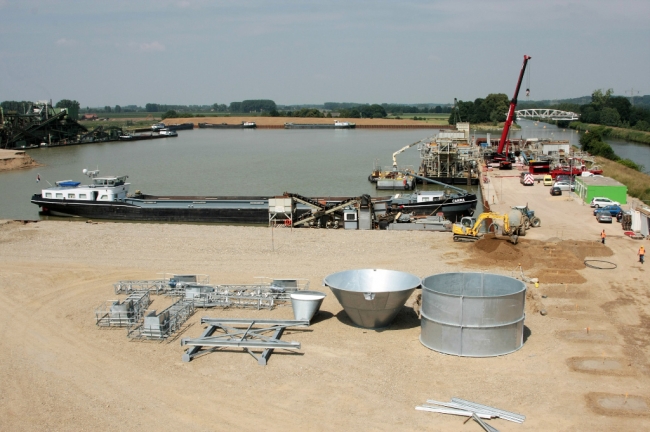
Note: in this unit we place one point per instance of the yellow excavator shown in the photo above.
(469, 229)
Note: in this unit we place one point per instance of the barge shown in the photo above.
(337, 125)
(242, 125)
(109, 198)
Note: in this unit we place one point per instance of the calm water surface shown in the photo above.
(208, 162)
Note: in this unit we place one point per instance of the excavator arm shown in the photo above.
(473, 233)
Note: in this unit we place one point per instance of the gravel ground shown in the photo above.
(58, 371)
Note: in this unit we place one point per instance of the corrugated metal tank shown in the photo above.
(473, 314)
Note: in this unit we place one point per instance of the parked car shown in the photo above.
(563, 178)
(565, 186)
(548, 180)
(604, 217)
(602, 202)
(556, 190)
(612, 210)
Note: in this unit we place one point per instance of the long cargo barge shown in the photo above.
(108, 198)
(242, 125)
(335, 125)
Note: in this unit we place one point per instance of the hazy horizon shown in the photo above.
(202, 52)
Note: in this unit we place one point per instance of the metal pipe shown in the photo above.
(457, 189)
(206, 320)
(449, 411)
(240, 344)
(506, 415)
(486, 427)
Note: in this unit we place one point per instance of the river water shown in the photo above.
(208, 162)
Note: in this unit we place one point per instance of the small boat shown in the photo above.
(344, 125)
(168, 132)
(452, 205)
(158, 126)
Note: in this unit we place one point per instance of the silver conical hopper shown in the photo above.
(372, 297)
(306, 304)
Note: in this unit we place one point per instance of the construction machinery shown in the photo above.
(529, 218)
(503, 158)
(469, 228)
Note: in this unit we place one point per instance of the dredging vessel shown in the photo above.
(449, 157)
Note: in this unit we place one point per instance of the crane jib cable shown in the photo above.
(603, 265)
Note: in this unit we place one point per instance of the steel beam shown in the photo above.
(240, 344)
(246, 321)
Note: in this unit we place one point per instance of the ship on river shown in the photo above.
(109, 198)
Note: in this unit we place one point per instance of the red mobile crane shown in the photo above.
(503, 158)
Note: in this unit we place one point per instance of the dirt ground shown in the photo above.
(15, 159)
(584, 365)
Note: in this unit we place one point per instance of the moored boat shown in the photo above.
(109, 198)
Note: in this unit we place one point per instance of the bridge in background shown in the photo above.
(548, 114)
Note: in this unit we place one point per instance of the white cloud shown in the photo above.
(154, 46)
(66, 42)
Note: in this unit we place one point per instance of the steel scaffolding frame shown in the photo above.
(168, 283)
(113, 313)
(240, 333)
(163, 325)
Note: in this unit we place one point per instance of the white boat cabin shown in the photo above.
(426, 196)
(101, 189)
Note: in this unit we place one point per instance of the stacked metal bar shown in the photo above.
(476, 411)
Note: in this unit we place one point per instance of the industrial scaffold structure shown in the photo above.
(40, 125)
(168, 283)
(242, 333)
(160, 326)
(127, 313)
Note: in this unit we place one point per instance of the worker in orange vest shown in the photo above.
(602, 236)
(641, 254)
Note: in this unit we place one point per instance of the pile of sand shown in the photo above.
(551, 262)
(16, 159)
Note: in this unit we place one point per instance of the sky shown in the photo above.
(116, 52)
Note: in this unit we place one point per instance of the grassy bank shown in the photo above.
(638, 183)
(620, 133)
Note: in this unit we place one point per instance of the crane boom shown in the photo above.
(511, 110)
(401, 151)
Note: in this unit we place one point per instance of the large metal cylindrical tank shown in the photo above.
(473, 314)
(372, 297)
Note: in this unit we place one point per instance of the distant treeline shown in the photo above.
(389, 108)
(492, 109)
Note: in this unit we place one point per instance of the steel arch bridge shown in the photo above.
(545, 113)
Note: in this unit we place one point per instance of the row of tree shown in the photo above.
(253, 106)
(592, 142)
(492, 109)
(609, 110)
